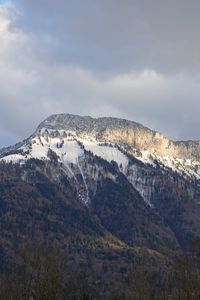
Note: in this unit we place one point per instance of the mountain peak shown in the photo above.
(63, 133)
(122, 131)
(86, 123)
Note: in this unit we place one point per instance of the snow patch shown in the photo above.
(68, 151)
(15, 158)
(108, 153)
(147, 158)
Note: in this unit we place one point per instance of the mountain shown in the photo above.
(130, 181)
(138, 141)
(105, 191)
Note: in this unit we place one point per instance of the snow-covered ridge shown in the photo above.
(121, 131)
(70, 147)
(68, 138)
(66, 144)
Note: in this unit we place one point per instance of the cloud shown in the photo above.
(117, 36)
(35, 83)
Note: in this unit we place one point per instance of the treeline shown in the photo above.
(44, 274)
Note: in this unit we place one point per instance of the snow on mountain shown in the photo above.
(67, 150)
(104, 137)
(109, 153)
(68, 137)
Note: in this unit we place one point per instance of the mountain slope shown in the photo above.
(130, 181)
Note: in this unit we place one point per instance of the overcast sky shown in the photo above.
(136, 59)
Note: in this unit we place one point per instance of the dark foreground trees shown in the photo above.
(42, 275)
(45, 274)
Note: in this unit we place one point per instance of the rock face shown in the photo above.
(123, 131)
(123, 178)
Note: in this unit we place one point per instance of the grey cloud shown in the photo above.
(117, 36)
(91, 59)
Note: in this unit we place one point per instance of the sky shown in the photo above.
(134, 59)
